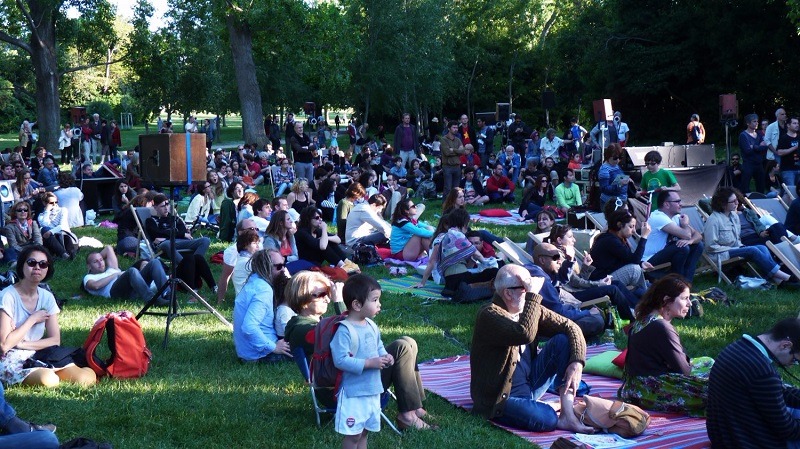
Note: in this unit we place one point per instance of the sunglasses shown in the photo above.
(19, 211)
(43, 264)
(317, 217)
(52, 202)
(320, 294)
(278, 266)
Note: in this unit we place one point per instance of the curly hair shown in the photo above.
(720, 199)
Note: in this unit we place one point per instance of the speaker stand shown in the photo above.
(173, 283)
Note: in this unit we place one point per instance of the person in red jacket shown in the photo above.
(499, 187)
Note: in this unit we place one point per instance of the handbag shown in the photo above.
(56, 357)
(621, 418)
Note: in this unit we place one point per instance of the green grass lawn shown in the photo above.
(197, 394)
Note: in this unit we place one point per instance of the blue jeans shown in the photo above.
(128, 245)
(758, 254)
(684, 260)
(789, 177)
(138, 282)
(38, 439)
(618, 293)
(304, 170)
(526, 412)
(282, 187)
(198, 245)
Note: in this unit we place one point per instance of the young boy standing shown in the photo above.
(358, 408)
(656, 179)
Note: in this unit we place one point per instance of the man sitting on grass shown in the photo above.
(508, 376)
(107, 280)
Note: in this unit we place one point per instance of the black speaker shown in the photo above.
(173, 159)
(603, 110)
(309, 107)
(700, 155)
(503, 111)
(728, 107)
(549, 99)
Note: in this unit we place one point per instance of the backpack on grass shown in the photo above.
(323, 372)
(129, 354)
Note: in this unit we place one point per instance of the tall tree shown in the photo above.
(31, 26)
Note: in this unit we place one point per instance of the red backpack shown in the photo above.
(323, 372)
(129, 354)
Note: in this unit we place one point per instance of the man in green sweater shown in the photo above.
(508, 376)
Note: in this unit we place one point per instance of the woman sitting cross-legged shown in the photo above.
(658, 373)
(722, 235)
(29, 322)
(315, 245)
(409, 240)
(309, 294)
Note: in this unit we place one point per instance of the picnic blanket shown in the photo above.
(404, 285)
(513, 220)
(449, 378)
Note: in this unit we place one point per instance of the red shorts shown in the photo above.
(398, 256)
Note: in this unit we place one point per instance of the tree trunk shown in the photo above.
(45, 67)
(241, 41)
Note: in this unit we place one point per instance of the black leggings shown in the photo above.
(452, 282)
(193, 270)
(334, 254)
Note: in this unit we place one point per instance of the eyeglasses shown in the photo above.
(19, 211)
(516, 287)
(316, 217)
(43, 264)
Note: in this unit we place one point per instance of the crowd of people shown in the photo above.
(286, 265)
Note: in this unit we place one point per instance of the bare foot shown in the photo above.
(569, 422)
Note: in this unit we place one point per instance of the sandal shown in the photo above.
(416, 424)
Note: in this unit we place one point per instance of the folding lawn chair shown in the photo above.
(697, 217)
(789, 193)
(788, 254)
(324, 398)
(140, 215)
(598, 219)
(772, 206)
(513, 252)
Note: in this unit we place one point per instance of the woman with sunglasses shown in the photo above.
(612, 253)
(200, 206)
(22, 231)
(308, 294)
(53, 221)
(534, 197)
(29, 322)
(315, 245)
(613, 182)
(254, 334)
(410, 240)
(658, 373)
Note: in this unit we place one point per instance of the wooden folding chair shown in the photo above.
(789, 192)
(788, 254)
(513, 252)
(140, 215)
(772, 206)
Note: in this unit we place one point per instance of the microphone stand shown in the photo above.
(174, 282)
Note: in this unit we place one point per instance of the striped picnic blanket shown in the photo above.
(449, 378)
(404, 285)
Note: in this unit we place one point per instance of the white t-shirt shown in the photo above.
(622, 130)
(11, 304)
(230, 255)
(105, 292)
(283, 314)
(241, 271)
(658, 238)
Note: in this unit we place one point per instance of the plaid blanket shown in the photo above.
(449, 378)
